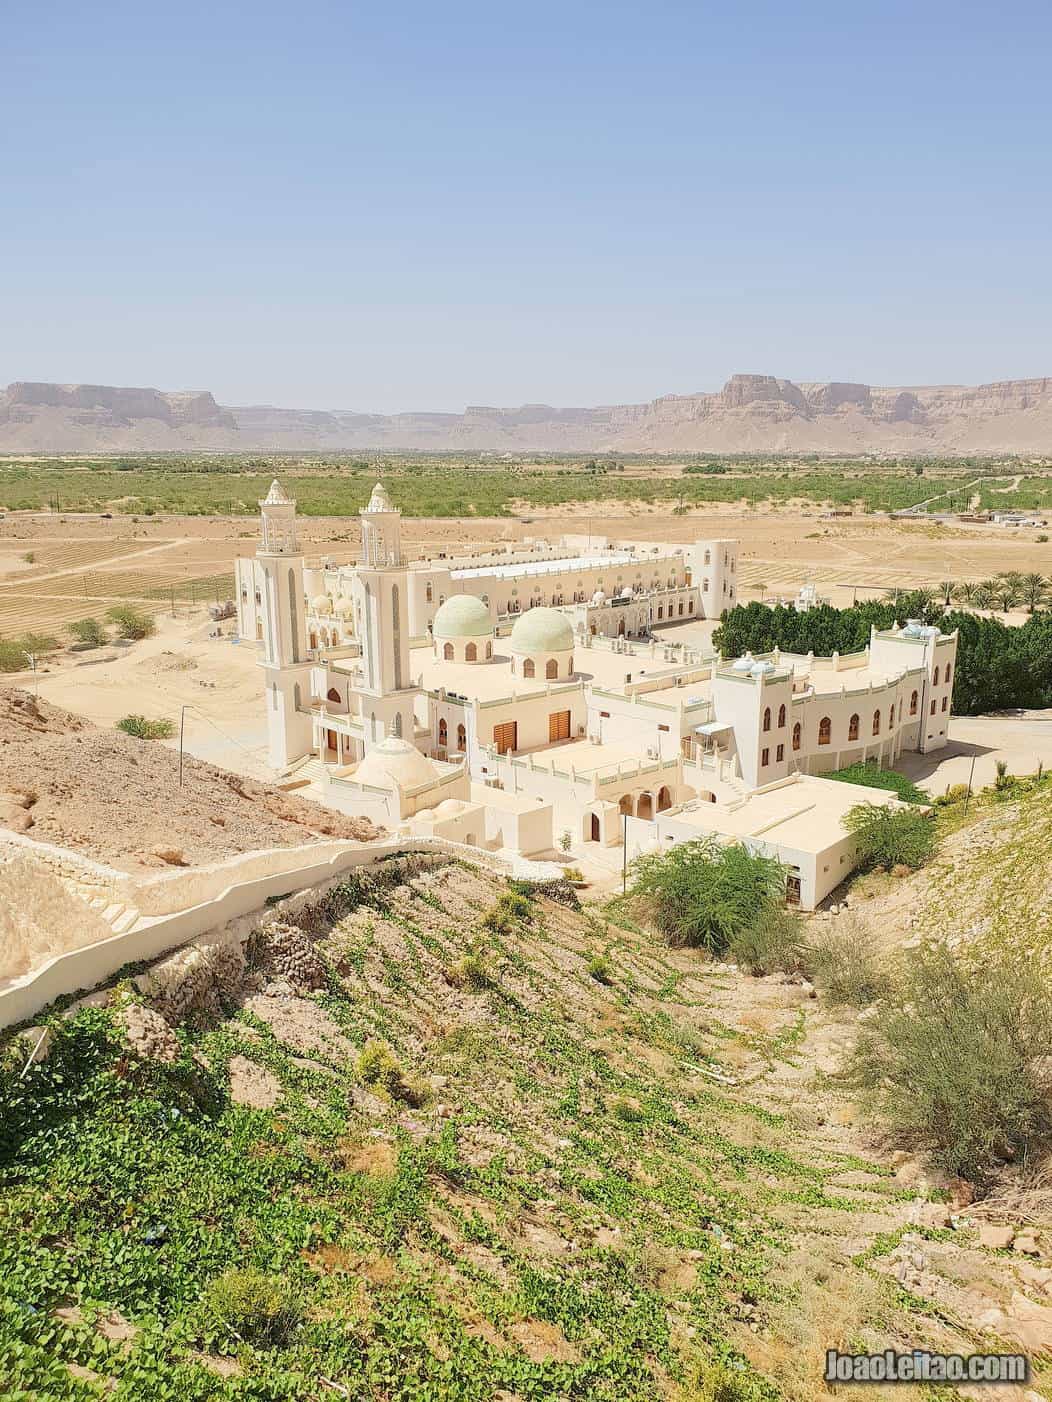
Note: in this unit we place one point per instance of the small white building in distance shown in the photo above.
(507, 699)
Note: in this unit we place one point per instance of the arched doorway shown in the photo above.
(664, 799)
(645, 806)
(625, 806)
(595, 829)
(621, 627)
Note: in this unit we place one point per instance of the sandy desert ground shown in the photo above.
(57, 569)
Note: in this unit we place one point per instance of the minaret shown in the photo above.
(380, 593)
(284, 647)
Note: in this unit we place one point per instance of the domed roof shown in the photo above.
(542, 630)
(380, 501)
(462, 616)
(321, 603)
(395, 763)
(451, 805)
(761, 669)
(344, 609)
(743, 664)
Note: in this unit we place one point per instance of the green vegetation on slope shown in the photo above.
(526, 1182)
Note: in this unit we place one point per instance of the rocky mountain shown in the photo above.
(751, 413)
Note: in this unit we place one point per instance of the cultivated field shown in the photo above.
(113, 539)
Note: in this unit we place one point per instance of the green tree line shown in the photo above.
(998, 666)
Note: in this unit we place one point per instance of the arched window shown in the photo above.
(876, 722)
(949, 673)
(796, 736)
(471, 653)
(933, 705)
(852, 727)
(680, 609)
(447, 652)
(945, 702)
(443, 732)
(398, 724)
(935, 677)
(333, 695)
(528, 667)
(767, 718)
(292, 617)
(913, 704)
(462, 738)
(297, 699)
(661, 610)
(891, 717)
(781, 716)
(569, 666)
(690, 607)
(705, 586)
(708, 557)
(441, 600)
(551, 669)
(489, 651)
(825, 730)
(314, 640)
(429, 594)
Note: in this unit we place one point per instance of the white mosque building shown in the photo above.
(511, 699)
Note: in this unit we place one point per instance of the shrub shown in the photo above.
(888, 837)
(145, 729)
(566, 840)
(955, 793)
(470, 972)
(88, 630)
(600, 968)
(702, 892)
(497, 921)
(773, 942)
(131, 622)
(844, 965)
(256, 1308)
(957, 1061)
(876, 778)
(40, 642)
(13, 650)
(380, 1068)
(515, 904)
(573, 873)
(627, 1111)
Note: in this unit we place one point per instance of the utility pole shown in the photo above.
(182, 726)
(968, 795)
(624, 854)
(31, 658)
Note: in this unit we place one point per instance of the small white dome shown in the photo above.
(380, 501)
(395, 763)
(761, 669)
(321, 603)
(743, 664)
(426, 814)
(344, 609)
(450, 805)
(541, 630)
(462, 616)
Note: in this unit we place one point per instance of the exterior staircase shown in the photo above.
(118, 916)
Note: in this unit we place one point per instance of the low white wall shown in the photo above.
(178, 890)
(82, 969)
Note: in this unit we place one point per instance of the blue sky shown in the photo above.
(384, 207)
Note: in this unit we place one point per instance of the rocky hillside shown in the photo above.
(435, 1138)
(752, 413)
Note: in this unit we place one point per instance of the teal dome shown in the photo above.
(462, 616)
(542, 630)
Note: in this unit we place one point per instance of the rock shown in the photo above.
(171, 856)
(148, 1034)
(1026, 1242)
(994, 1237)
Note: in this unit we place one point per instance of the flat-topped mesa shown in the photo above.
(119, 404)
(742, 390)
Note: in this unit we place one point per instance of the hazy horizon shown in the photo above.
(421, 210)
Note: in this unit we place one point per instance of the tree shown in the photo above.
(1007, 595)
(89, 631)
(702, 892)
(947, 588)
(983, 594)
(1033, 591)
(131, 623)
(887, 836)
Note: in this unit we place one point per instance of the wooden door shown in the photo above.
(506, 736)
(559, 726)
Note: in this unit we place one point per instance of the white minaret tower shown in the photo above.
(284, 645)
(379, 591)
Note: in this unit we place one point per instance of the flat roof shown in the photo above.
(806, 815)
(528, 567)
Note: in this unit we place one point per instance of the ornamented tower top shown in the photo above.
(381, 532)
(279, 522)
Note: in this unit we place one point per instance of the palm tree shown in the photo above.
(1033, 590)
(983, 594)
(1007, 595)
(947, 588)
(966, 591)
(762, 589)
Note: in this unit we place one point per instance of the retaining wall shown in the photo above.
(235, 889)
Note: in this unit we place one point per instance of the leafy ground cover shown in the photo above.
(527, 1183)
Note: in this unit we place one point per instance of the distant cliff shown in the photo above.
(752, 413)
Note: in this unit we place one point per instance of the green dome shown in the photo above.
(542, 630)
(462, 616)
